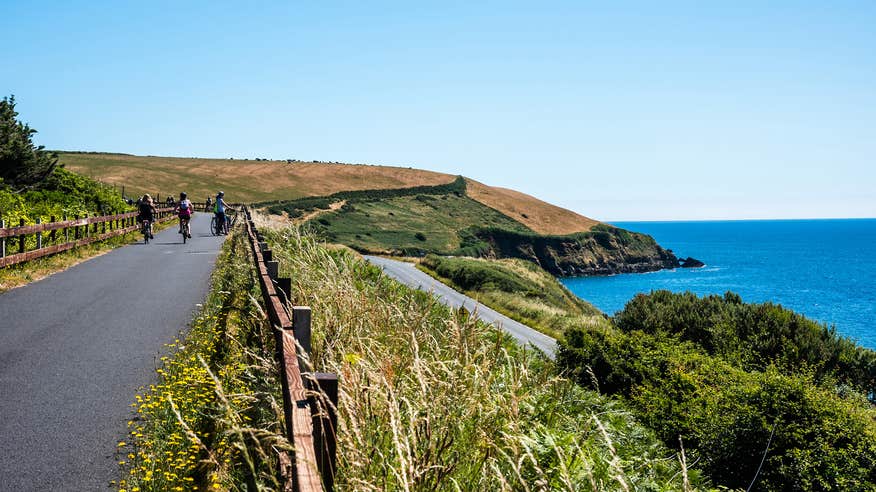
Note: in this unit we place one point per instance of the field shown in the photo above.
(257, 181)
(242, 180)
(541, 217)
(517, 288)
(421, 222)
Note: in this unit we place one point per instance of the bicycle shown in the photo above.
(144, 228)
(215, 227)
(184, 228)
(230, 219)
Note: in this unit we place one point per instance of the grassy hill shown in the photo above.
(381, 209)
(259, 181)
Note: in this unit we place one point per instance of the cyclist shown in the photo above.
(146, 211)
(219, 210)
(184, 210)
(208, 204)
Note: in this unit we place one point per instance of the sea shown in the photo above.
(824, 269)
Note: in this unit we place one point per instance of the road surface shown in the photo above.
(408, 274)
(76, 346)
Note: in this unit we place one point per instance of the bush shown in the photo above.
(474, 276)
(752, 336)
(727, 411)
(420, 236)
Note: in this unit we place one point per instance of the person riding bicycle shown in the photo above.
(184, 210)
(146, 211)
(208, 204)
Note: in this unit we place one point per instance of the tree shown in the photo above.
(22, 165)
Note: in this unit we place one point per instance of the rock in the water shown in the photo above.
(691, 263)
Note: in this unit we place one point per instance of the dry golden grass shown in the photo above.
(541, 217)
(242, 180)
(252, 181)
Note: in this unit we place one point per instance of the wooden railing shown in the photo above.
(309, 398)
(83, 230)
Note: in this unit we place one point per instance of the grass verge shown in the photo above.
(518, 289)
(433, 400)
(212, 420)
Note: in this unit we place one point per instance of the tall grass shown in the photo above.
(212, 420)
(433, 400)
(518, 289)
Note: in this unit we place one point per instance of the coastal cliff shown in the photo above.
(604, 250)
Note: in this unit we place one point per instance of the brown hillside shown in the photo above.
(242, 180)
(253, 181)
(541, 217)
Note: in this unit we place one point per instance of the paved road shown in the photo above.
(407, 274)
(74, 348)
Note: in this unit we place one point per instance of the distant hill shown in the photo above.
(394, 210)
(263, 180)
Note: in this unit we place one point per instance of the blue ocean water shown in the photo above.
(824, 269)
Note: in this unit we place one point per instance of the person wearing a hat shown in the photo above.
(219, 210)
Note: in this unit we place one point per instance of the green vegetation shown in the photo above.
(444, 220)
(753, 336)
(733, 379)
(602, 250)
(32, 187)
(432, 400)
(22, 164)
(393, 225)
(295, 207)
(212, 422)
(517, 288)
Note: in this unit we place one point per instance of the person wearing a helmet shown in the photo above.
(184, 210)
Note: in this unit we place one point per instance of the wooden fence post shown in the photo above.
(76, 228)
(87, 227)
(21, 238)
(39, 235)
(284, 285)
(52, 234)
(2, 240)
(323, 401)
(301, 316)
(273, 268)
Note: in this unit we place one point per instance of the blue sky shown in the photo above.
(617, 110)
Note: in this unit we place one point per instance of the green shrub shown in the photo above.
(671, 363)
(752, 336)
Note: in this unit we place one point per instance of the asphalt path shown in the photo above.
(76, 346)
(408, 274)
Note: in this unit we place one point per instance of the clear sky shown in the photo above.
(617, 110)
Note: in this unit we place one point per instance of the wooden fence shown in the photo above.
(75, 232)
(309, 398)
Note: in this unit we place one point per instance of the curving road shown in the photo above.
(76, 346)
(408, 274)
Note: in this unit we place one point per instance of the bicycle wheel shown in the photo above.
(214, 228)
